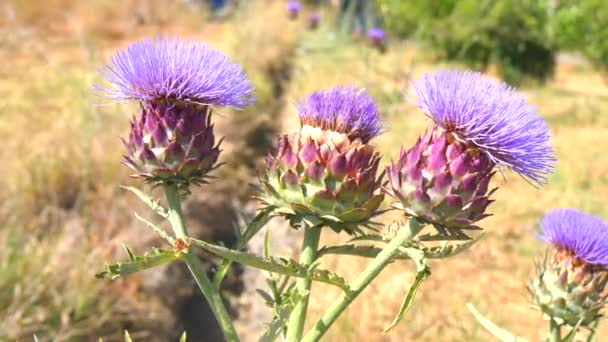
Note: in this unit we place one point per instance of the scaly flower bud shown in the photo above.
(176, 83)
(326, 172)
(443, 179)
(570, 287)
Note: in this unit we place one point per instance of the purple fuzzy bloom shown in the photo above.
(584, 235)
(492, 116)
(342, 109)
(174, 69)
(313, 20)
(293, 8)
(376, 34)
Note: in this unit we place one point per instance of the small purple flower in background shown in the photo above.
(377, 38)
(478, 124)
(176, 82)
(570, 287)
(293, 9)
(327, 171)
(313, 20)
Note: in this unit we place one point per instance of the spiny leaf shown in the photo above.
(254, 226)
(409, 298)
(138, 263)
(282, 311)
(154, 204)
(448, 250)
(496, 331)
(157, 229)
(367, 251)
(283, 266)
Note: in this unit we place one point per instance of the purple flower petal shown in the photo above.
(492, 116)
(175, 69)
(342, 109)
(582, 234)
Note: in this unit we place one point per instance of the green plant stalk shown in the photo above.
(295, 326)
(365, 278)
(555, 332)
(196, 267)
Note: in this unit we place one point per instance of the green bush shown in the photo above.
(580, 25)
(513, 34)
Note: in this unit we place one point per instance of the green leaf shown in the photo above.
(496, 331)
(258, 222)
(283, 266)
(161, 232)
(138, 263)
(128, 337)
(282, 311)
(409, 298)
(154, 204)
(445, 250)
(183, 337)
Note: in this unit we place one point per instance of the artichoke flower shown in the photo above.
(176, 84)
(570, 287)
(441, 180)
(326, 173)
(478, 126)
(293, 9)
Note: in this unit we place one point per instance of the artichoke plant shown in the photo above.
(571, 286)
(478, 125)
(326, 173)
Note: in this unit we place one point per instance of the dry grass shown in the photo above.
(65, 215)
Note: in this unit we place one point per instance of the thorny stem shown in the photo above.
(310, 245)
(196, 267)
(365, 278)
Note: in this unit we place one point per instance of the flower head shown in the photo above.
(313, 20)
(376, 34)
(175, 70)
(583, 235)
(571, 286)
(293, 8)
(342, 109)
(491, 116)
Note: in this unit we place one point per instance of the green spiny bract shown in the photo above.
(569, 290)
(323, 177)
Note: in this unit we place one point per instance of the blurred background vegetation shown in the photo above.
(63, 214)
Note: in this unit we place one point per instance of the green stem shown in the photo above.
(555, 334)
(373, 269)
(196, 267)
(295, 327)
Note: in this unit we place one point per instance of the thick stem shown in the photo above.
(373, 269)
(555, 334)
(196, 267)
(295, 327)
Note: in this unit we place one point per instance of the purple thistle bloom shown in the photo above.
(491, 116)
(342, 109)
(174, 69)
(293, 8)
(376, 34)
(573, 231)
(313, 20)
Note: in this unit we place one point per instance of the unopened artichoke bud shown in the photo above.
(478, 125)
(571, 286)
(441, 180)
(327, 172)
(172, 143)
(176, 83)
